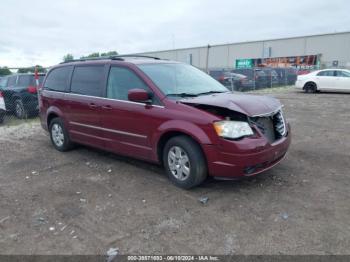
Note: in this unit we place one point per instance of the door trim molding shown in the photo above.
(109, 130)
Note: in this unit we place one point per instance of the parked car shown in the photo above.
(20, 94)
(232, 81)
(256, 76)
(163, 112)
(325, 80)
(271, 77)
(238, 82)
(218, 74)
(286, 76)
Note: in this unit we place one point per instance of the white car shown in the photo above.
(325, 80)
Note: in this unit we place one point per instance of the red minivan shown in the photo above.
(164, 112)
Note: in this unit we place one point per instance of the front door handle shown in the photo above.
(93, 106)
(107, 107)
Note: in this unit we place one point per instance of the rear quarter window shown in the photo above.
(58, 79)
(11, 81)
(88, 80)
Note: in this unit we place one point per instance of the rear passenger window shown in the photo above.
(24, 80)
(88, 80)
(120, 81)
(326, 73)
(58, 79)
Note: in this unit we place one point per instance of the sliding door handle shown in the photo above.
(93, 106)
(107, 107)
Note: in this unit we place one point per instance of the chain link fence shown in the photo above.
(19, 98)
(247, 79)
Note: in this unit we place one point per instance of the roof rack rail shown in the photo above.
(136, 56)
(113, 57)
(91, 59)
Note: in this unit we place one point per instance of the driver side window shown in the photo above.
(120, 81)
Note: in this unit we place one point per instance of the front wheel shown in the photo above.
(59, 135)
(310, 88)
(184, 162)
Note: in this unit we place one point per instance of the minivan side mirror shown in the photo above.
(139, 95)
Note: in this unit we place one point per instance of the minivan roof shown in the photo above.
(133, 59)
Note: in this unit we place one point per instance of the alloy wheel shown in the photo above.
(179, 163)
(57, 135)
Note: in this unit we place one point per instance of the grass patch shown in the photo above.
(11, 120)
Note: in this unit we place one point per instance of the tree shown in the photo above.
(4, 71)
(110, 53)
(92, 55)
(32, 69)
(97, 54)
(68, 57)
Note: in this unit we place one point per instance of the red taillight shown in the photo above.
(31, 89)
(1, 95)
(221, 78)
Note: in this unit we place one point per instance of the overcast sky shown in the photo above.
(42, 32)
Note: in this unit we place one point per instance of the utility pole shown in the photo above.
(207, 64)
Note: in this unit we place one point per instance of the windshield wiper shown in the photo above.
(210, 92)
(183, 95)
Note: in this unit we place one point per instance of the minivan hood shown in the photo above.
(250, 105)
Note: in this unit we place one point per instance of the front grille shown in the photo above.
(272, 126)
(279, 124)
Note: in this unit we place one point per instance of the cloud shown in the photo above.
(42, 32)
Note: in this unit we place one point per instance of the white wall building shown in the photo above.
(331, 49)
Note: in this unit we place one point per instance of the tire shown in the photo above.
(310, 88)
(59, 135)
(20, 111)
(191, 169)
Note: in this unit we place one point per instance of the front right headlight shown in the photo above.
(233, 129)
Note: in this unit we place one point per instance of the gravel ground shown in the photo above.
(86, 201)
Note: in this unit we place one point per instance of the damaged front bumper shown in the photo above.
(247, 157)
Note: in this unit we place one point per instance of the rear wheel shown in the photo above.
(310, 88)
(184, 162)
(20, 111)
(59, 135)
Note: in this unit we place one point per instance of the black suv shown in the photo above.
(20, 94)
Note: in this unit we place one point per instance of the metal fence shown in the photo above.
(246, 79)
(18, 98)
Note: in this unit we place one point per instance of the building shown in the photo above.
(305, 52)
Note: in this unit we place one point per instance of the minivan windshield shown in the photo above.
(181, 80)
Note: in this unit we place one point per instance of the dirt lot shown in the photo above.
(87, 201)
